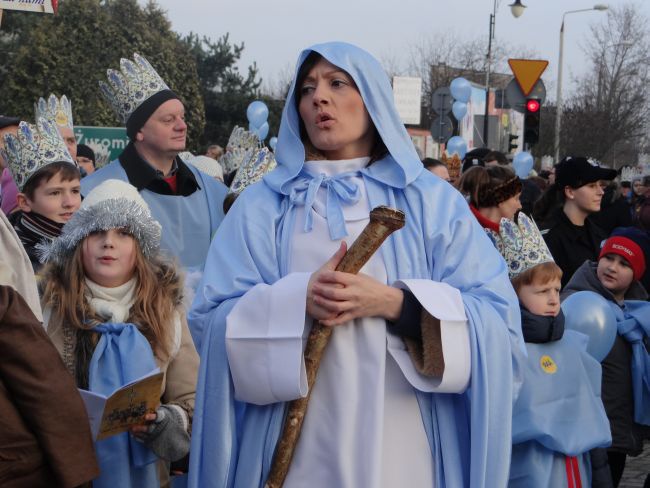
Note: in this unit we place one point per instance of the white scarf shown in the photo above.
(114, 305)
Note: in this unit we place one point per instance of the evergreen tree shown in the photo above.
(68, 53)
(226, 92)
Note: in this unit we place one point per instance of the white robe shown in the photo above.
(363, 427)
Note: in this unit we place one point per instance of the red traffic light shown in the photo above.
(532, 105)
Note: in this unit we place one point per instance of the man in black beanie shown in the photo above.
(187, 203)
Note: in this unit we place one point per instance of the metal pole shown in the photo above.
(558, 111)
(558, 97)
(487, 76)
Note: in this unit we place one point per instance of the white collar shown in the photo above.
(332, 168)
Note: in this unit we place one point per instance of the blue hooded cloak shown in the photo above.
(470, 433)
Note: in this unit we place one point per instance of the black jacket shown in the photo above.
(572, 245)
(617, 395)
(615, 211)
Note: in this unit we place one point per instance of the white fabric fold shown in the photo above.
(446, 304)
(264, 341)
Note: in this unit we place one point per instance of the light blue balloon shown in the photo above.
(257, 113)
(457, 145)
(589, 313)
(522, 164)
(272, 142)
(459, 109)
(461, 89)
(263, 131)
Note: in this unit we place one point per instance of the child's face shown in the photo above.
(541, 298)
(55, 199)
(615, 273)
(109, 257)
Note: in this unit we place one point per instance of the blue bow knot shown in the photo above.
(340, 190)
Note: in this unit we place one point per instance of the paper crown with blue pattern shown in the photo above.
(128, 88)
(521, 244)
(253, 170)
(58, 110)
(242, 146)
(33, 148)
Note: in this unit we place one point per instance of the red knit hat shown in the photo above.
(628, 249)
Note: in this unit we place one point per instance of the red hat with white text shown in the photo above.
(627, 249)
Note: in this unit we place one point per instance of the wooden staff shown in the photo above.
(383, 222)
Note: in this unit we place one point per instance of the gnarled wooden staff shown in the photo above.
(383, 222)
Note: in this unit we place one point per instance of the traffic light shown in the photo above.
(531, 121)
(512, 142)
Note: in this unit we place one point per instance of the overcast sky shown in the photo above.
(275, 31)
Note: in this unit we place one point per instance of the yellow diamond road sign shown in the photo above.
(527, 72)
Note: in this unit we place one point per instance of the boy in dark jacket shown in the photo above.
(615, 276)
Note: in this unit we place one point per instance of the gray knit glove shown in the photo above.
(167, 436)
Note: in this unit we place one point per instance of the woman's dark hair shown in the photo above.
(432, 163)
(488, 187)
(497, 156)
(551, 200)
(378, 150)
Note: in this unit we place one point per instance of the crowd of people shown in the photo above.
(450, 362)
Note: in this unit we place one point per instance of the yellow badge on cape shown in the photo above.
(548, 365)
(61, 118)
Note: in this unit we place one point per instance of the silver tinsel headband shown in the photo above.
(112, 213)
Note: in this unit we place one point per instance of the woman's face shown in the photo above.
(109, 257)
(336, 120)
(510, 207)
(587, 198)
(638, 188)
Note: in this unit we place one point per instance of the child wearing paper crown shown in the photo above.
(558, 417)
(626, 369)
(113, 309)
(48, 182)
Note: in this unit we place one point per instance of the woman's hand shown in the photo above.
(334, 297)
(313, 308)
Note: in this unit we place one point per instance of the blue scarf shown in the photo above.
(122, 355)
(633, 324)
(470, 433)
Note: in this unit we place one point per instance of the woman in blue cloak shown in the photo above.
(417, 384)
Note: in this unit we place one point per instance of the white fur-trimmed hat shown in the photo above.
(207, 165)
(111, 205)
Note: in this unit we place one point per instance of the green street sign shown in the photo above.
(113, 139)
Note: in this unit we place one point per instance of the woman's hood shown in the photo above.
(398, 169)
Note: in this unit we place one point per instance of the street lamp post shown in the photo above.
(516, 8)
(558, 97)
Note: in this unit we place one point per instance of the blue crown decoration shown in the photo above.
(253, 170)
(242, 146)
(33, 148)
(521, 244)
(57, 110)
(126, 89)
